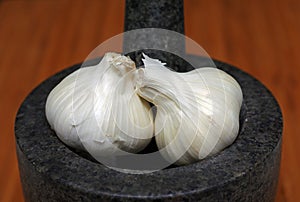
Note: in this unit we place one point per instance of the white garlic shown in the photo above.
(197, 112)
(96, 108)
(100, 109)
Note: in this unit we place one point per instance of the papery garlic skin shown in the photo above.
(197, 112)
(97, 109)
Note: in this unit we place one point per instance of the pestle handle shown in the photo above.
(163, 14)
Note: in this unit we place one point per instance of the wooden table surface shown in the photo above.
(40, 37)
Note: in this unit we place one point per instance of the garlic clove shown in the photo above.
(197, 112)
(97, 108)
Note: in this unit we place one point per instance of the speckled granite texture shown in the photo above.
(245, 171)
(164, 14)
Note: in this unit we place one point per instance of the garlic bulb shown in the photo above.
(103, 109)
(96, 108)
(197, 112)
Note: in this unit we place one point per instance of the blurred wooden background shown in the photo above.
(40, 37)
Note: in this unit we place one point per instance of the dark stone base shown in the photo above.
(245, 171)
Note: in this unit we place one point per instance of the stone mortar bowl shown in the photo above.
(245, 171)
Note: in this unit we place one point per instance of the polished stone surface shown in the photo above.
(162, 14)
(245, 171)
